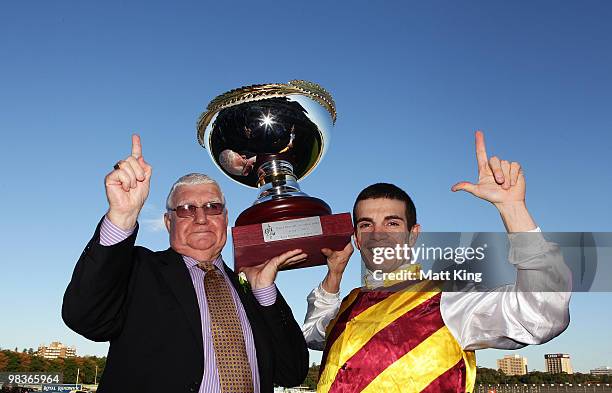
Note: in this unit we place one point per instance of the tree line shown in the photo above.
(491, 376)
(27, 361)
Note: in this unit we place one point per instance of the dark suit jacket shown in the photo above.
(145, 304)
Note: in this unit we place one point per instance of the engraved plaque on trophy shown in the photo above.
(269, 137)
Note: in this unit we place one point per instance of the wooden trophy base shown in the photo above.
(271, 228)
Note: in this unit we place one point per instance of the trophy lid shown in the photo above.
(245, 127)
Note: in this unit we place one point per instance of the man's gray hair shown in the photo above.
(191, 179)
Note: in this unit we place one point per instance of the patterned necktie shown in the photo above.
(228, 339)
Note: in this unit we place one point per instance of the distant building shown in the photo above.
(512, 365)
(602, 371)
(558, 363)
(56, 350)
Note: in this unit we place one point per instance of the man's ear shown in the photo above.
(167, 221)
(356, 240)
(414, 234)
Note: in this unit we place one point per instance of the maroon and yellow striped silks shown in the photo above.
(384, 341)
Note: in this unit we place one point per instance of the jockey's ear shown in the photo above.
(414, 234)
(356, 240)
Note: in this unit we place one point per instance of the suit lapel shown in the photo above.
(178, 279)
(246, 298)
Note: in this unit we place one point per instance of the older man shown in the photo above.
(179, 320)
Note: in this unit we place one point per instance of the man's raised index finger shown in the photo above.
(481, 150)
(136, 146)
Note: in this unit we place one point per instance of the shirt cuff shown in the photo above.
(321, 293)
(524, 245)
(265, 296)
(111, 234)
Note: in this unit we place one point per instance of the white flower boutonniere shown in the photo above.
(244, 283)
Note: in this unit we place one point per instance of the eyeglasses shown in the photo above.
(210, 209)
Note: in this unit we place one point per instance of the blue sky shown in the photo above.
(412, 81)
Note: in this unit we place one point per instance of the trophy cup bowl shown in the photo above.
(269, 137)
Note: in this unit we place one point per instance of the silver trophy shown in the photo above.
(269, 137)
